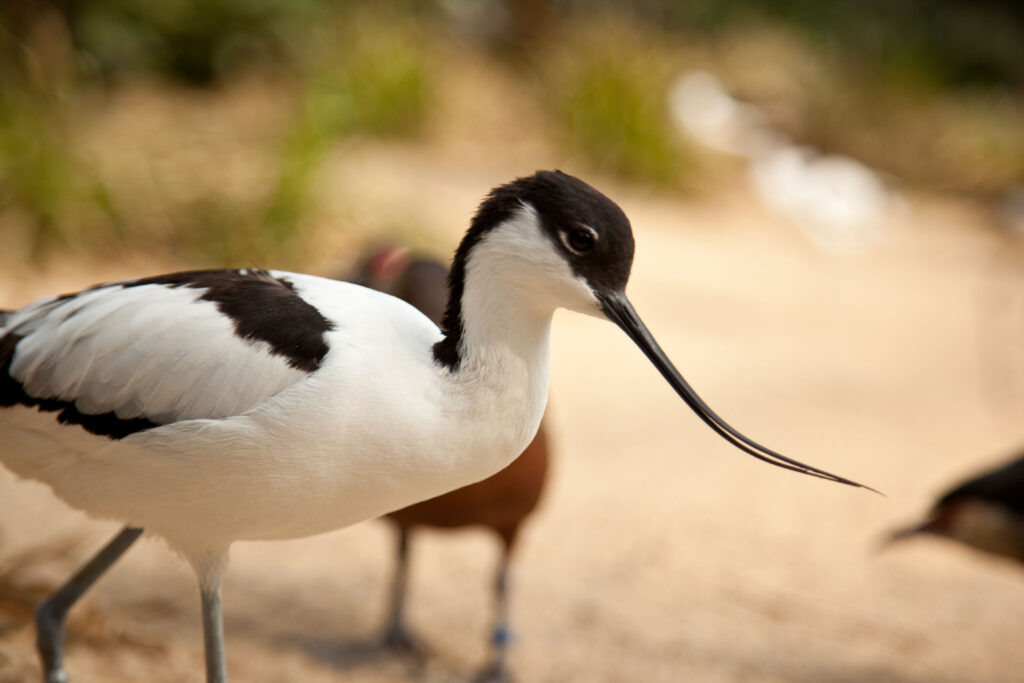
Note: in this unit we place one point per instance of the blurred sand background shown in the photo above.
(660, 553)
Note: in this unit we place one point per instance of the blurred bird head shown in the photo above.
(393, 269)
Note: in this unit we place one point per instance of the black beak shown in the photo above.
(618, 309)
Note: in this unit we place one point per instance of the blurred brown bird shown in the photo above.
(500, 503)
(985, 513)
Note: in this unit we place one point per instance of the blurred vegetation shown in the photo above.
(340, 73)
(377, 84)
(607, 85)
(197, 42)
(44, 182)
(931, 91)
(930, 43)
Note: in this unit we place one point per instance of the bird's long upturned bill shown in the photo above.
(620, 311)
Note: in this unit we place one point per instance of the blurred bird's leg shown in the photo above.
(51, 613)
(396, 636)
(501, 635)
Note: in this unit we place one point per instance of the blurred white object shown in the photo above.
(702, 107)
(838, 202)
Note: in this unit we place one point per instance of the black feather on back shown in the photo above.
(262, 308)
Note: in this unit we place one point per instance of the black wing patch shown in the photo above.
(262, 308)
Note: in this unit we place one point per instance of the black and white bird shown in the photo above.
(210, 407)
(985, 512)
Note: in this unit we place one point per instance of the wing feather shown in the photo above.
(160, 352)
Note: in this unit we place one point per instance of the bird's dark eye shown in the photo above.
(580, 240)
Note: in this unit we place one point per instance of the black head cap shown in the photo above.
(568, 208)
(588, 228)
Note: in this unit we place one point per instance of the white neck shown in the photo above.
(505, 350)
(509, 297)
(514, 278)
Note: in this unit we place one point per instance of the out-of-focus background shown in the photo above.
(828, 202)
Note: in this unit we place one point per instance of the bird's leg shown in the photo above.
(209, 567)
(213, 635)
(396, 636)
(501, 635)
(51, 613)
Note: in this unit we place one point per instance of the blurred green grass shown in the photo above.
(379, 84)
(931, 91)
(46, 185)
(606, 84)
(356, 73)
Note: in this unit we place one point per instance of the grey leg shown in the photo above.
(213, 635)
(209, 565)
(51, 613)
(501, 635)
(396, 636)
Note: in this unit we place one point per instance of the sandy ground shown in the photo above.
(660, 553)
